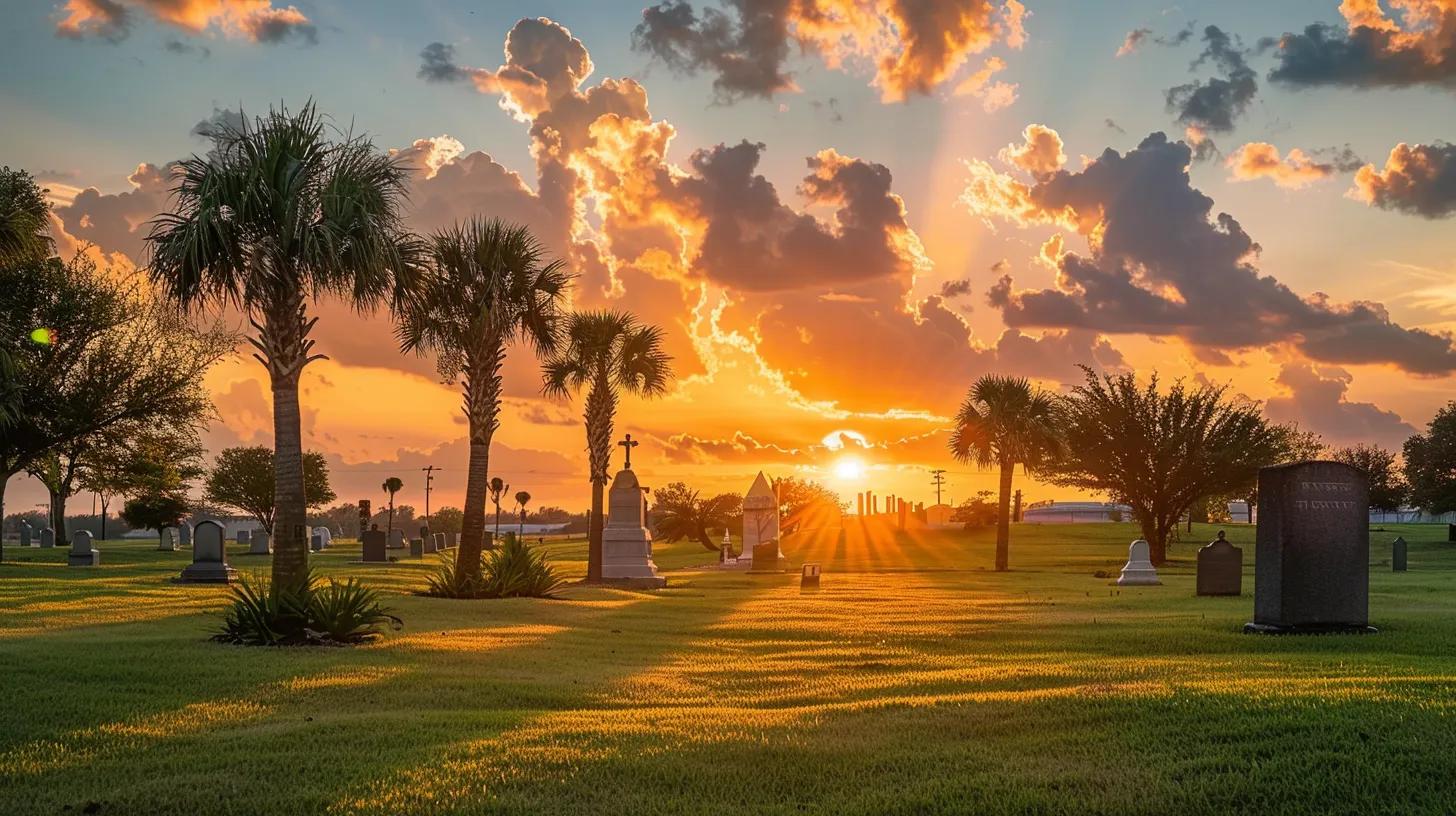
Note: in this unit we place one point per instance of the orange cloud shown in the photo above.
(252, 20)
(1257, 160)
(1418, 179)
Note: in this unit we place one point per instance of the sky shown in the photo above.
(841, 212)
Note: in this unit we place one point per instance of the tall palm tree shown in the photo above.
(275, 215)
(392, 485)
(1004, 422)
(490, 284)
(498, 488)
(522, 498)
(605, 352)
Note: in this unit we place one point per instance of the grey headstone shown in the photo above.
(261, 544)
(26, 534)
(47, 537)
(1397, 555)
(809, 577)
(1312, 550)
(82, 553)
(374, 542)
(397, 540)
(417, 548)
(316, 542)
(167, 539)
(184, 534)
(209, 556)
(244, 537)
(1220, 568)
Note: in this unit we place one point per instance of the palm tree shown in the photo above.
(490, 284)
(1002, 423)
(274, 215)
(522, 498)
(679, 513)
(392, 485)
(605, 352)
(498, 488)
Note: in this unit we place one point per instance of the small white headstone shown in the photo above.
(1139, 568)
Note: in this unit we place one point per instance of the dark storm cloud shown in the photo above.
(437, 64)
(1373, 51)
(1417, 179)
(746, 52)
(1214, 104)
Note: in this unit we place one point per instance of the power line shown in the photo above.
(938, 481)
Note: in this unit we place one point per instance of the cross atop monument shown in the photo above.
(629, 445)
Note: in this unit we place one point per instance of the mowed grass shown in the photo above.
(915, 681)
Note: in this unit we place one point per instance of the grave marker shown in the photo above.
(1220, 568)
(1397, 555)
(82, 553)
(374, 546)
(1138, 571)
(47, 537)
(209, 556)
(809, 577)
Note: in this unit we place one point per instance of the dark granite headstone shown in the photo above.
(809, 577)
(25, 534)
(1451, 533)
(1220, 568)
(316, 542)
(1312, 551)
(417, 548)
(1397, 555)
(47, 537)
(766, 557)
(82, 554)
(209, 556)
(375, 545)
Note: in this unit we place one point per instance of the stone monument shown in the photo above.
(209, 556)
(397, 540)
(168, 540)
(82, 553)
(26, 534)
(1312, 550)
(1138, 571)
(47, 537)
(626, 541)
(261, 544)
(809, 577)
(1220, 568)
(1397, 554)
(184, 533)
(243, 537)
(760, 523)
(439, 542)
(374, 546)
(316, 542)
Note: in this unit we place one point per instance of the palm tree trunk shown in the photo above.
(4, 480)
(472, 534)
(1003, 517)
(283, 341)
(482, 411)
(601, 408)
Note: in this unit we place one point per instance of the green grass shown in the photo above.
(915, 681)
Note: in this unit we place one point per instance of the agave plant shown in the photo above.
(512, 570)
(293, 614)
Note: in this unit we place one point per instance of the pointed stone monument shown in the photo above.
(760, 525)
(1138, 571)
(626, 541)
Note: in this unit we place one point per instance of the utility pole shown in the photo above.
(937, 481)
(429, 477)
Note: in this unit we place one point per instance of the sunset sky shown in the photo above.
(840, 211)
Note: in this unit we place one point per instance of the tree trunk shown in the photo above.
(601, 408)
(58, 515)
(472, 534)
(1158, 543)
(482, 413)
(4, 480)
(290, 542)
(594, 535)
(705, 539)
(1003, 517)
(105, 502)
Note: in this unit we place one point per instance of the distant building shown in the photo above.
(1071, 512)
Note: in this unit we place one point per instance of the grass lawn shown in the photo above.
(916, 681)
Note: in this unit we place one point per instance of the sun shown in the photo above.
(849, 468)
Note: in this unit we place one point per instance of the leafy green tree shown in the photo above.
(1159, 452)
(141, 461)
(243, 480)
(679, 512)
(24, 219)
(490, 284)
(1002, 423)
(1388, 489)
(1430, 463)
(448, 520)
(392, 485)
(605, 353)
(274, 215)
(156, 511)
(803, 503)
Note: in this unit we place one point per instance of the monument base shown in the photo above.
(91, 559)
(1138, 577)
(640, 582)
(206, 573)
(1309, 629)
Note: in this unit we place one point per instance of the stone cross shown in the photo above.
(629, 445)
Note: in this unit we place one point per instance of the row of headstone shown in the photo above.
(30, 538)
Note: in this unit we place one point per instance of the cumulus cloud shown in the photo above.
(249, 20)
(1316, 399)
(1257, 160)
(1160, 262)
(1039, 154)
(1417, 179)
(117, 222)
(913, 47)
(1374, 50)
(1212, 105)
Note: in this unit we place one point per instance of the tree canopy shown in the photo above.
(242, 480)
(1430, 463)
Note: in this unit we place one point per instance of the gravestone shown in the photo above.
(760, 520)
(1451, 533)
(26, 538)
(1312, 550)
(82, 553)
(374, 545)
(1397, 555)
(260, 543)
(167, 540)
(243, 537)
(626, 541)
(316, 542)
(209, 556)
(184, 534)
(325, 535)
(1220, 568)
(397, 540)
(809, 577)
(47, 537)
(417, 548)
(1138, 571)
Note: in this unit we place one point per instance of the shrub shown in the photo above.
(332, 614)
(512, 570)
